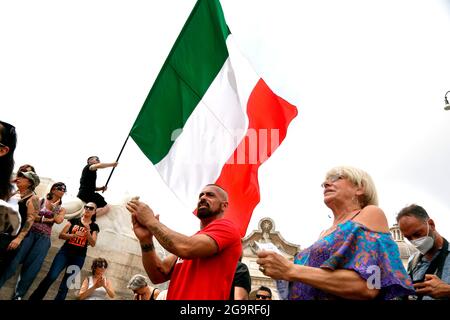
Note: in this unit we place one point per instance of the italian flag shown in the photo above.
(209, 118)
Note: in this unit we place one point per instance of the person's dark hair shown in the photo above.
(98, 262)
(8, 138)
(266, 289)
(413, 211)
(55, 185)
(91, 157)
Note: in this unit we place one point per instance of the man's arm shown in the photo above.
(197, 246)
(102, 165)
(158, 270)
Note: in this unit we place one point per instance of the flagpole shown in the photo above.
(117, 160)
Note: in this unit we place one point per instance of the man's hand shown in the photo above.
(142, 233)
(142, 212)
(433, 286)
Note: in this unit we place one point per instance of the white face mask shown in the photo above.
(424, 244)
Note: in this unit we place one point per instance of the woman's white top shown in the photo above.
(98, 294)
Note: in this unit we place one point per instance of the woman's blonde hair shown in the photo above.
(359, 178)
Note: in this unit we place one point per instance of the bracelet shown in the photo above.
(146, 247)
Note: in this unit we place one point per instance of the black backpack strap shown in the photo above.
(441, 259)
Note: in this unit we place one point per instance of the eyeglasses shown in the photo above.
(61, 189)
(331, 179)
(89, 208)
(263, 297)
(101, 265)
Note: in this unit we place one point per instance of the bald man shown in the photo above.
(200, 267)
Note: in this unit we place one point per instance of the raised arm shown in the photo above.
(182, 246)
(102, 165)
(158, 270)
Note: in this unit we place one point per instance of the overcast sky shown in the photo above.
(368, 79)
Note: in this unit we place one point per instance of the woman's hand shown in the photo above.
(98, 283)
(274, 265)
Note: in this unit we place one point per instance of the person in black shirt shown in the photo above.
(79, 233)
(242, 282)
(88, 186)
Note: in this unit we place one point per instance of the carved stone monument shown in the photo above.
(266, 233)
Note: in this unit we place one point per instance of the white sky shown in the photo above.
(368, 78)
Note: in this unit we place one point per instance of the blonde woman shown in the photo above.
(355, 249)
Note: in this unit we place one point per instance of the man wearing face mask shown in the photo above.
(429, 268)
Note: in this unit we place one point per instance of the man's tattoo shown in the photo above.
(146, 247)
(163, 238)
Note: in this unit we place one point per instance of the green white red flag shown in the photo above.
(209, 118)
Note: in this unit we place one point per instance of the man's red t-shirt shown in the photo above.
(208, 278)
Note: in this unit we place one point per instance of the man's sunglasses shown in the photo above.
(89, 208)
(262, 296)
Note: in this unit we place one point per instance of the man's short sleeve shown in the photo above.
(223, 231)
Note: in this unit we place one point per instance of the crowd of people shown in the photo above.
(354, 258)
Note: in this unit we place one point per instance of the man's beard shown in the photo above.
(206, 212)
